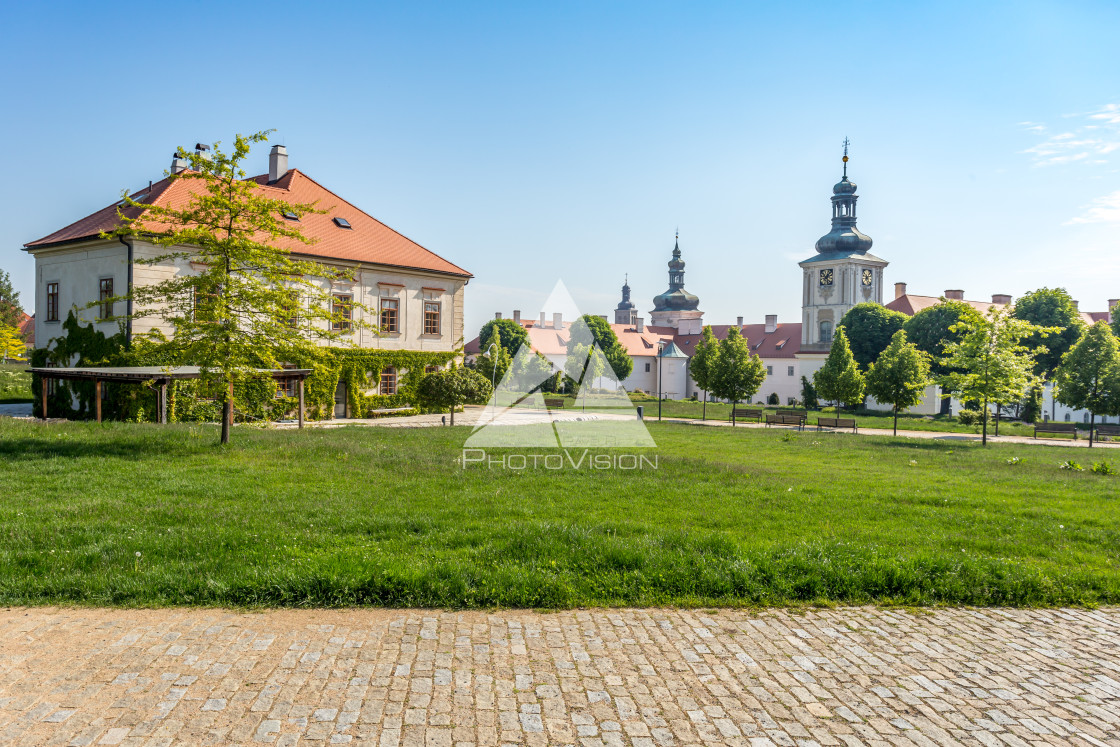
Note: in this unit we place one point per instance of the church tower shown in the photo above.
(677, 307)
(625, 312)
(844, 272)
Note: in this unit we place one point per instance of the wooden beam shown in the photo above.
(97, 399)
(301, 403)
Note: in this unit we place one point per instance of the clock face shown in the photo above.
(867, 278)
(826, 277)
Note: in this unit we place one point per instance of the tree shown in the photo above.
(808, 394)
(1089, 377)
(620, 362)
(704, 359)
(251, 303)
(990, 363)
(1055, 309)
(839, 379)
(736, 374)
(12, 346)
(452, 388)
(511, 335)
(10, 312)
(1115, 311)
(900, 376)
(869, 327)
(930, 330)
(494, 360)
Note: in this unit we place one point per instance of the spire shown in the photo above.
(844, 236)
(846, 144)
(676, 297)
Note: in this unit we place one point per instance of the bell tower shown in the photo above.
(625, 312)
(677, 307)
(844, 272)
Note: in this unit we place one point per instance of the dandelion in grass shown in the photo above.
(913, 462)
(136, 565)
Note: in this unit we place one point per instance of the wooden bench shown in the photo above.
(1108, 430)
(1059, 429)
(554, 404)
(740, 413)
(785, 420)
(838, 423)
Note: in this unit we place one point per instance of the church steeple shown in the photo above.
(677, 307)
(844, 237)
(625, 312)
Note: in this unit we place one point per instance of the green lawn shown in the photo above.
(15, 383)
(388, 517)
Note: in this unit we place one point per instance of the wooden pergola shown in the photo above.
(162, 376)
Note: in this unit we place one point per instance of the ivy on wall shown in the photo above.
(358, 369)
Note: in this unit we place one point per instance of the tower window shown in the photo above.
(826, 331)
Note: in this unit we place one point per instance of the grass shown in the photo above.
(15, 383)
(379, 516)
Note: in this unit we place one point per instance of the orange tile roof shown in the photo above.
(26, 328)
(911, 304)
(783, 342)
(369, 240)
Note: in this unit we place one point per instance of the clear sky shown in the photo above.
(529, 142)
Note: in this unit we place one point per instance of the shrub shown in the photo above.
(1071, 466)
(973, 417)
(773, 399)
(1104, 468)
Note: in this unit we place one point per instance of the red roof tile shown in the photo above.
(368, 240)
(783, 342)
(911, 304)
(26, 328)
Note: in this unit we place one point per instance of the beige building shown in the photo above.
(415, 296)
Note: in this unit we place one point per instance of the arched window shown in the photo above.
(1067, 417)
(826, 331)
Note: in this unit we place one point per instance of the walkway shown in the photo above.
(648, 678)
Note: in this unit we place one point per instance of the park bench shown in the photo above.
(554, 404)
(838, 423)
(740, 413)
(1060, 429)
(1112, 431)
(780, 419)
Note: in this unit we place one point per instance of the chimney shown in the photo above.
(899, 290)
(517, 315)
(558, 321)
(771, 323)
(277, 163)
(178, 165)
(738, 321)
(640, 323)
(497, 315)
(541, 324)
(956, 295)
(1002, 299)
(1112, 304)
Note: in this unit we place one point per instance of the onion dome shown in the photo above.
(844, 237)
(676, 298)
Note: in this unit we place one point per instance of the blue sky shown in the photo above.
(530, 142)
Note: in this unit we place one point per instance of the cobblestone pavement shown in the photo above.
(601, 677)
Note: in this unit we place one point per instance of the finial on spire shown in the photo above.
(846, 144)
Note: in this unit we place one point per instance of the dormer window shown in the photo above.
(290, 215)
(343, 223)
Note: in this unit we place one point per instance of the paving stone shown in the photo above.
(644, 678)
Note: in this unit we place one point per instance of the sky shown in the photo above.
(532, 142)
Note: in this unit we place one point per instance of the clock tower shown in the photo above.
(842, 274)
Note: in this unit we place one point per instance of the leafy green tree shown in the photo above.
(869, 327)
(930, 330)
(808, 394)
(494, 360)
(900, 376)
(252, 304)
(839, 379)
(529, 371)
(584, 365)
(1115, 310)
(1089, 377)
(452, 388)
(703, 362)
(12, 346)
(10, 312)
(990, 364)
(736, 374)
(619, 361)
(1051, 308)
(511, 335)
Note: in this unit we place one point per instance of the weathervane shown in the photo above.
(847, 142)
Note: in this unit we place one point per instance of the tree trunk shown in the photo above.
(984, 426)
(946, 404)
(896, 420)
(705, 415)
(1092, 423)
(998, 408)
(733, 414)
(452, 414)
(227, 415)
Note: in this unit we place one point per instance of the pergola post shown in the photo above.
(301, 403)
(163, 401)
(97, 399)
(43, 386)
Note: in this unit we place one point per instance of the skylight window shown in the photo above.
(342, 223)
(290, 215)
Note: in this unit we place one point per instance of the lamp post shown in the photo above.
(493, 366)
(660, 350)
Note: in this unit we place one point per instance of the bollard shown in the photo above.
(640, 411)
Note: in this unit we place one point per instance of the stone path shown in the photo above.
(649, 678)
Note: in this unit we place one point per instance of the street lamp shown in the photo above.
(493, 366)
(660, 350)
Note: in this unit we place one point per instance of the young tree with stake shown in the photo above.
(839, 379)
(1089, 375)
(736, 374)
(703, 362)
(900, 376)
